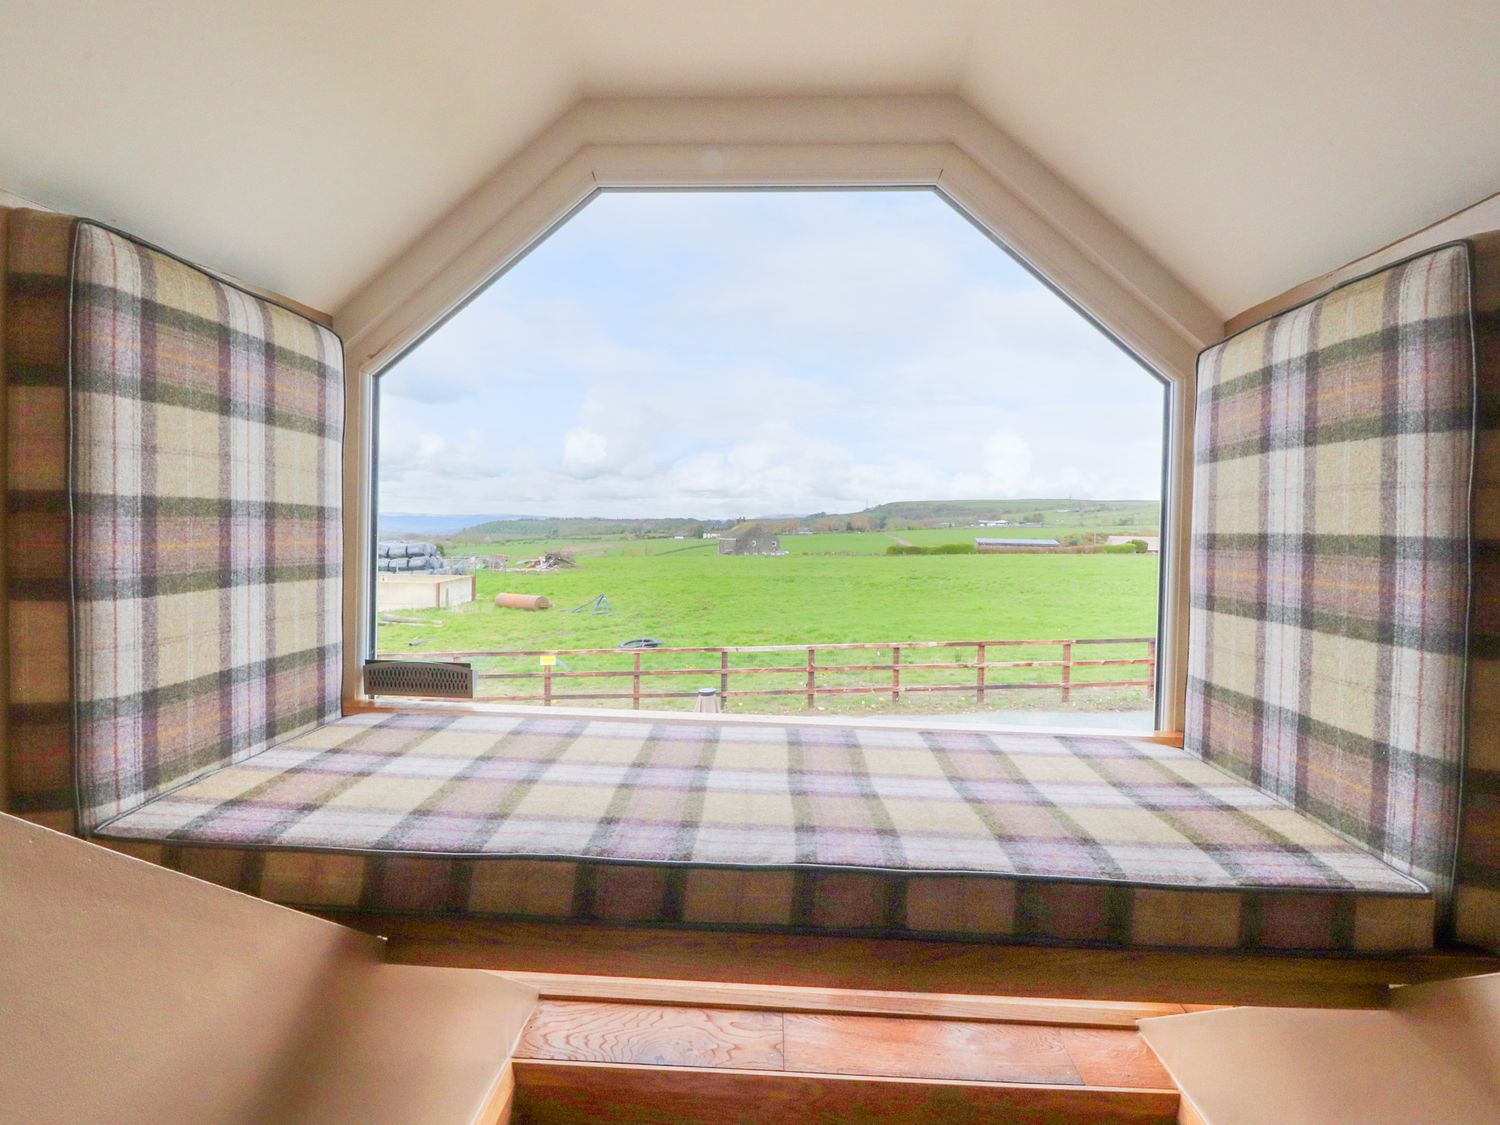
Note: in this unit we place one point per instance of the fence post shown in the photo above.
(896, 673)
(635, 683)
(723, 673)
(546, 685)
(1067, 670)
(979, 674)
(1151, 669)
(812, 677)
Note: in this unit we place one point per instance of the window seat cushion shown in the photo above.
(947, 833)
(174, 537)
(1330, 579)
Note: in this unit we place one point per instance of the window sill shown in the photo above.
(365, 704)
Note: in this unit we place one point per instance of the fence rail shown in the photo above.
(977, 674)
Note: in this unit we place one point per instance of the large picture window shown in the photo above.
(775, 451)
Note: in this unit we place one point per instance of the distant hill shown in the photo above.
(409, 523)
(583, 527)
(1072, 512)
(996, 509)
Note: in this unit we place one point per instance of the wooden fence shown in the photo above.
(976, 675)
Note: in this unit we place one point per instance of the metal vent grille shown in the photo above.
(430, 678)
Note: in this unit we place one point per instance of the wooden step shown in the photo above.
(792, 998)
(593, 1061)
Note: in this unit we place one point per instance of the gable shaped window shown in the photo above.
(776, 452)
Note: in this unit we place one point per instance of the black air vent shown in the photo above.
(430, 678)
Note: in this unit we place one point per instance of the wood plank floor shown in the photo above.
(579, 1031)
(783, 998)
(906, 1048)
(596, 1061)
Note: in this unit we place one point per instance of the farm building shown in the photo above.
(750, 539)
(993, 523)
(989, 546)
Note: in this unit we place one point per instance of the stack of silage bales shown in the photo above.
(397, 556)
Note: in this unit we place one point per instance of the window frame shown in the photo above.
(914, 143)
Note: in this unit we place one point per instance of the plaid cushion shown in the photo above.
(1477, 903)
(939, 833)
(39, 769)
(1329, 579)
(176, 458)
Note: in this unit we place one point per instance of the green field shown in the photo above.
(829, 589)
(876, 542)
(836, 543)
(839, 543)
(519, 549)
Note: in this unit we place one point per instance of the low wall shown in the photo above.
(424, 591)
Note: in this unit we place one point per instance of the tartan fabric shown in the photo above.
(1329, 577)
(39, 769)
(180, 585)
(938, 833)
(1477, 897)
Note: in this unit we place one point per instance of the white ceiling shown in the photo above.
(302, 145)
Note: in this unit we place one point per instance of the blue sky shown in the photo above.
(716, 354)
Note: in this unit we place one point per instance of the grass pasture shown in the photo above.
(838, 588)
(838, 543)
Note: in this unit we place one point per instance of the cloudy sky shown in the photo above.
(716, 354)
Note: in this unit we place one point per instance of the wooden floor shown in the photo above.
(783, 998)
(605, 1061)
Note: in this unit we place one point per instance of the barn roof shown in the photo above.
(1016, 543)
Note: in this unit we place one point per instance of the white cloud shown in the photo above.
(1007, 461)
(585, 452)
(850, 281)
(796, 371)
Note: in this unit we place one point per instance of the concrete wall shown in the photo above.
(423, 591)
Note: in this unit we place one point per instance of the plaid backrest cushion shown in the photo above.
(38, 750)
(1477, 898)
(1330, 559)
(185, 443)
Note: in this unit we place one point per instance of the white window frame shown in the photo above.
(913, 142)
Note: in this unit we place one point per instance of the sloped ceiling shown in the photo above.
(302, 145)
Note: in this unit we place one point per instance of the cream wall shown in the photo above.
(139, 996)
(1432, 1058)
(1481, 218)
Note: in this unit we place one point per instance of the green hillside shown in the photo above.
(1074, 514)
